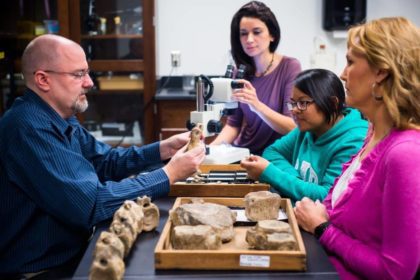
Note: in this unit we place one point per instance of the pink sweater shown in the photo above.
(375, 224)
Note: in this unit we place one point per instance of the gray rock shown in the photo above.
(220, 217)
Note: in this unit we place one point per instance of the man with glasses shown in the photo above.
(56, 180)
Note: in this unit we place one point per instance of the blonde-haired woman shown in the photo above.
(369, 222)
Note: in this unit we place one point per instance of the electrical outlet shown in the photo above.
(175, 58)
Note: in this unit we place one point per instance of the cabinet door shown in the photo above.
(118, 38)
(173, 115)
(20, 22)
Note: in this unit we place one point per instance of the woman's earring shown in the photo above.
(376, 97)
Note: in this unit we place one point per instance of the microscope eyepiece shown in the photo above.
(241, 72)
(229, 71)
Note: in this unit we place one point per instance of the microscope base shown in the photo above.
(225, 154)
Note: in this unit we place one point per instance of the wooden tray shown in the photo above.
(216, 189)
(234, 254)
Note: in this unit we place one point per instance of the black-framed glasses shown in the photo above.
(76, 74)
(301, 104)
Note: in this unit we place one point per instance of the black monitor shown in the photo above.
(342, 14)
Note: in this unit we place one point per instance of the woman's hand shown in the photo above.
(310, 214)
(254, 165)
(247, 95)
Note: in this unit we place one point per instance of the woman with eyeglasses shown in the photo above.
(305, 162)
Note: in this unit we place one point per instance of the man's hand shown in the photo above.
(170, 146)
(310, 214)
(184, 164)
(254, 166)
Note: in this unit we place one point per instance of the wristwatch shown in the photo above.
(320, 229)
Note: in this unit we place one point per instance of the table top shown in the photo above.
(140, 262)
(175, 94)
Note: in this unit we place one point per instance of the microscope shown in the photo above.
(214, 100)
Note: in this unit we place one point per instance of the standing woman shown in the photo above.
(369, 222)
(262, 116)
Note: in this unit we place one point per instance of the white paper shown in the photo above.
(254, 260)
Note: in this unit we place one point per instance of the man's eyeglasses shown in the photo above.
(301, 104)
(77, 74)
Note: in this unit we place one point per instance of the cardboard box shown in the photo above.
(216, 189)
(234, 255)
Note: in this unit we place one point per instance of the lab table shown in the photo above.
(140, 262)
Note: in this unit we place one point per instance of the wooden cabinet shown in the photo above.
(125, 79)
(121, 54)
(20, 22)
(172, 116)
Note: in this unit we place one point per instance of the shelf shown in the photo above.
(116, 92)
(108, 53)
(25, 37)
(112, 36)
(127, 65)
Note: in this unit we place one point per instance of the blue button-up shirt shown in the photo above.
(57, 182)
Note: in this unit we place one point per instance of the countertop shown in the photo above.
(175, 94)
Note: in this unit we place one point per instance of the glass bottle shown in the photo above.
(102, 27)
(117, 21)
(93, 21)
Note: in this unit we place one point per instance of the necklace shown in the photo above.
(268, 67)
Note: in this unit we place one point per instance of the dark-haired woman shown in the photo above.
(262, 116)
(305, 162)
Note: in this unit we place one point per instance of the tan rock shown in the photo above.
(106, 266)
(126, 232)
(110, 241)
(132, 213)
(151, 213)
(271, 235)
(195, 136)
(262, 205)
(200, 237)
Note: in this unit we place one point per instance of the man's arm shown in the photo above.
(58, 179)
(115, 163)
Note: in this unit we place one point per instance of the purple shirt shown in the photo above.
(274, 90)
(375, 224)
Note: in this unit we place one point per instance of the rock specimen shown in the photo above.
(271, 235)
(195, 136)
(128, 221)
(126, 232)
(151, 213)
(106, 266)
(201, 237)
(220, 217)
(132, 213)
(110, 242)
(262, 205)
